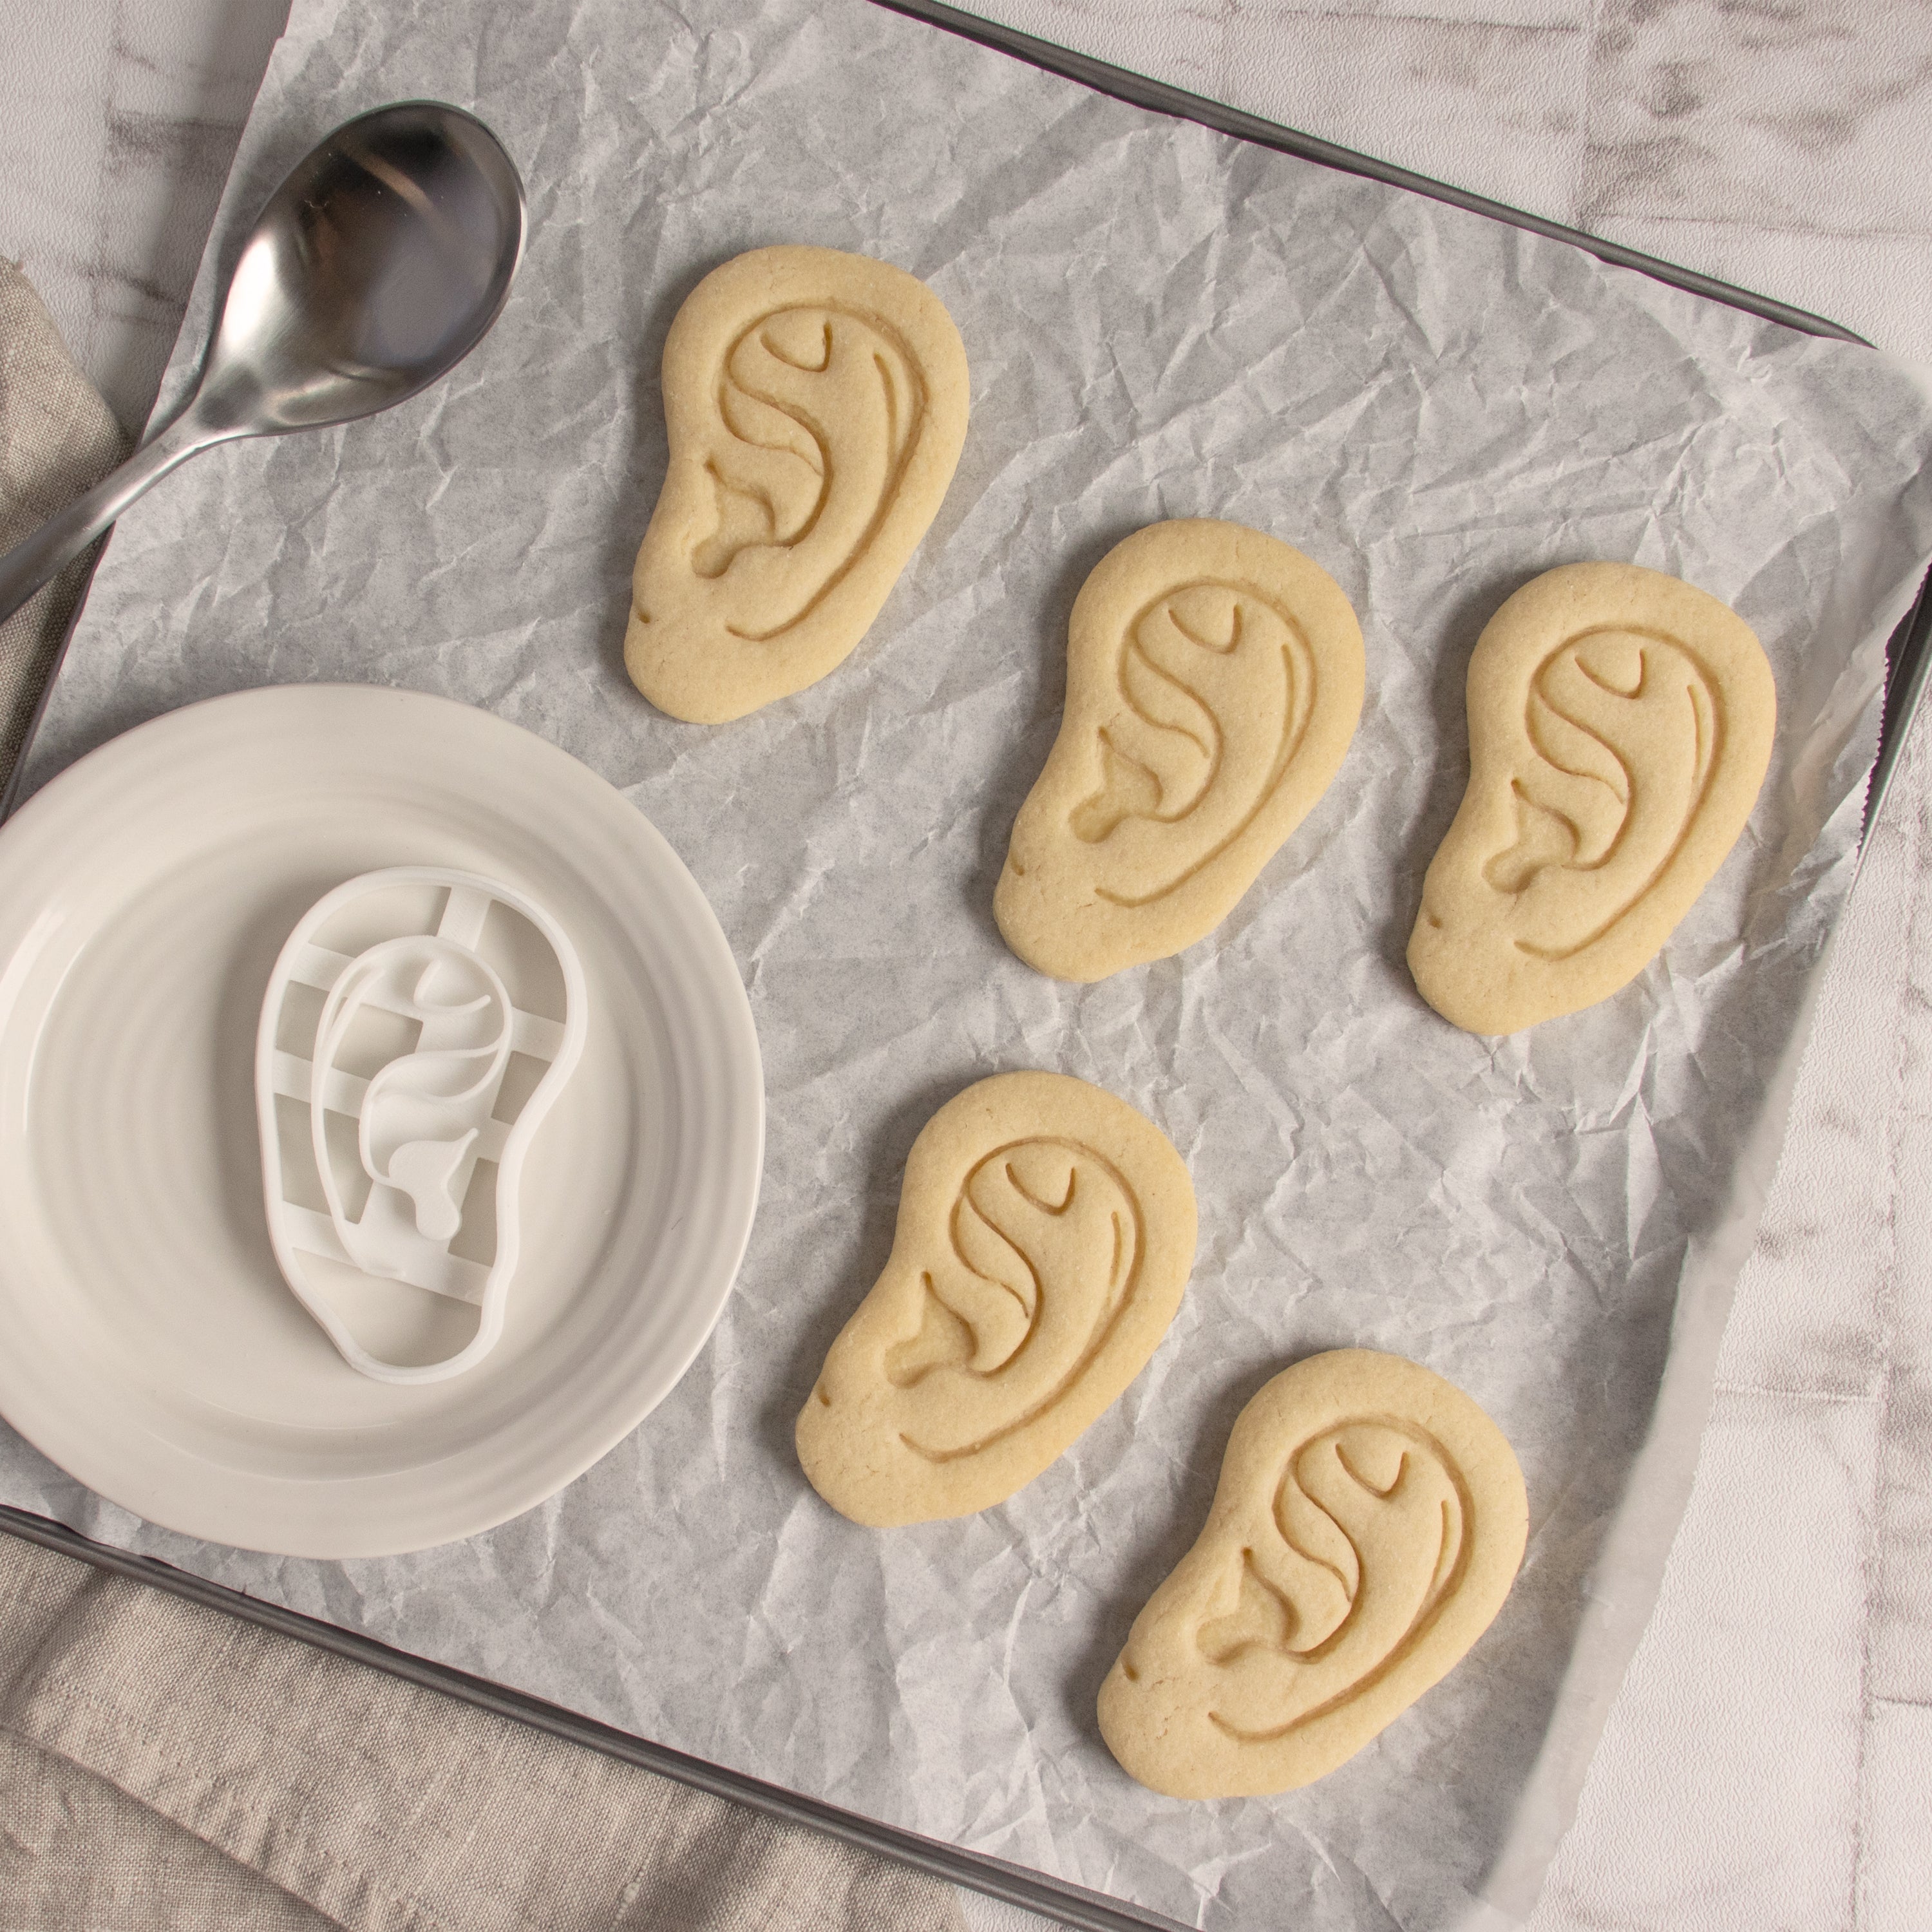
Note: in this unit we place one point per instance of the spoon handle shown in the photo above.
(62, 537)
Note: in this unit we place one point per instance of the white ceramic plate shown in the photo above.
(147, 1344)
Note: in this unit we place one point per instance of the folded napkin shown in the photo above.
(56, 439)
(164, 1766)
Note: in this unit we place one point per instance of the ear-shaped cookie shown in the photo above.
(1046, 1231)
(816, 404)
(1620, 727)
(1214, 678)
(1368, 1523)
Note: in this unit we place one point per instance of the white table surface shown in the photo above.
(1769, 1761)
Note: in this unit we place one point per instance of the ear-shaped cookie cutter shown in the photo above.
(424, 1119)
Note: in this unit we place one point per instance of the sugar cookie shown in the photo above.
(1368, 1524)
(816, 404)
(1214, 678)
(1046, 1231)
(1620, 727)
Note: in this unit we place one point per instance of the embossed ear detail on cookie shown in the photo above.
(1214, 679)
(1046, 1231)
(1368, 1524)
(1620, 727)
(815, 403)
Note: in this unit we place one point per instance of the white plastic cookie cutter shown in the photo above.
(386, 1080)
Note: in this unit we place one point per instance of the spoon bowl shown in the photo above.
(377, 265)
(375, 268)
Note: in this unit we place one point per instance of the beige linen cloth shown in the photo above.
(166, 1769)
(56, 439)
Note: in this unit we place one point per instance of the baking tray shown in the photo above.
(1907, 661)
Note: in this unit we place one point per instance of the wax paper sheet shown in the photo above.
(1161, 321)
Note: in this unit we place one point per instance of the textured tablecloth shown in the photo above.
(164, 1765)
(56, 439)
(1766, 1762)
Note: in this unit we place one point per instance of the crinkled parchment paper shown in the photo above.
(1162, 322)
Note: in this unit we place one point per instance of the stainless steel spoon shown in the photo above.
(377, 265)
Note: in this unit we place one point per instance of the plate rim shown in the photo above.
(68, 811)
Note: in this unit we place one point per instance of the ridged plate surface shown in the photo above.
(151, 1348)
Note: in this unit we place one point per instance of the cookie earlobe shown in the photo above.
(1367, 1526)
(1045, 1232)
(815, 403)
(1214, 679)
(1620, 727)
